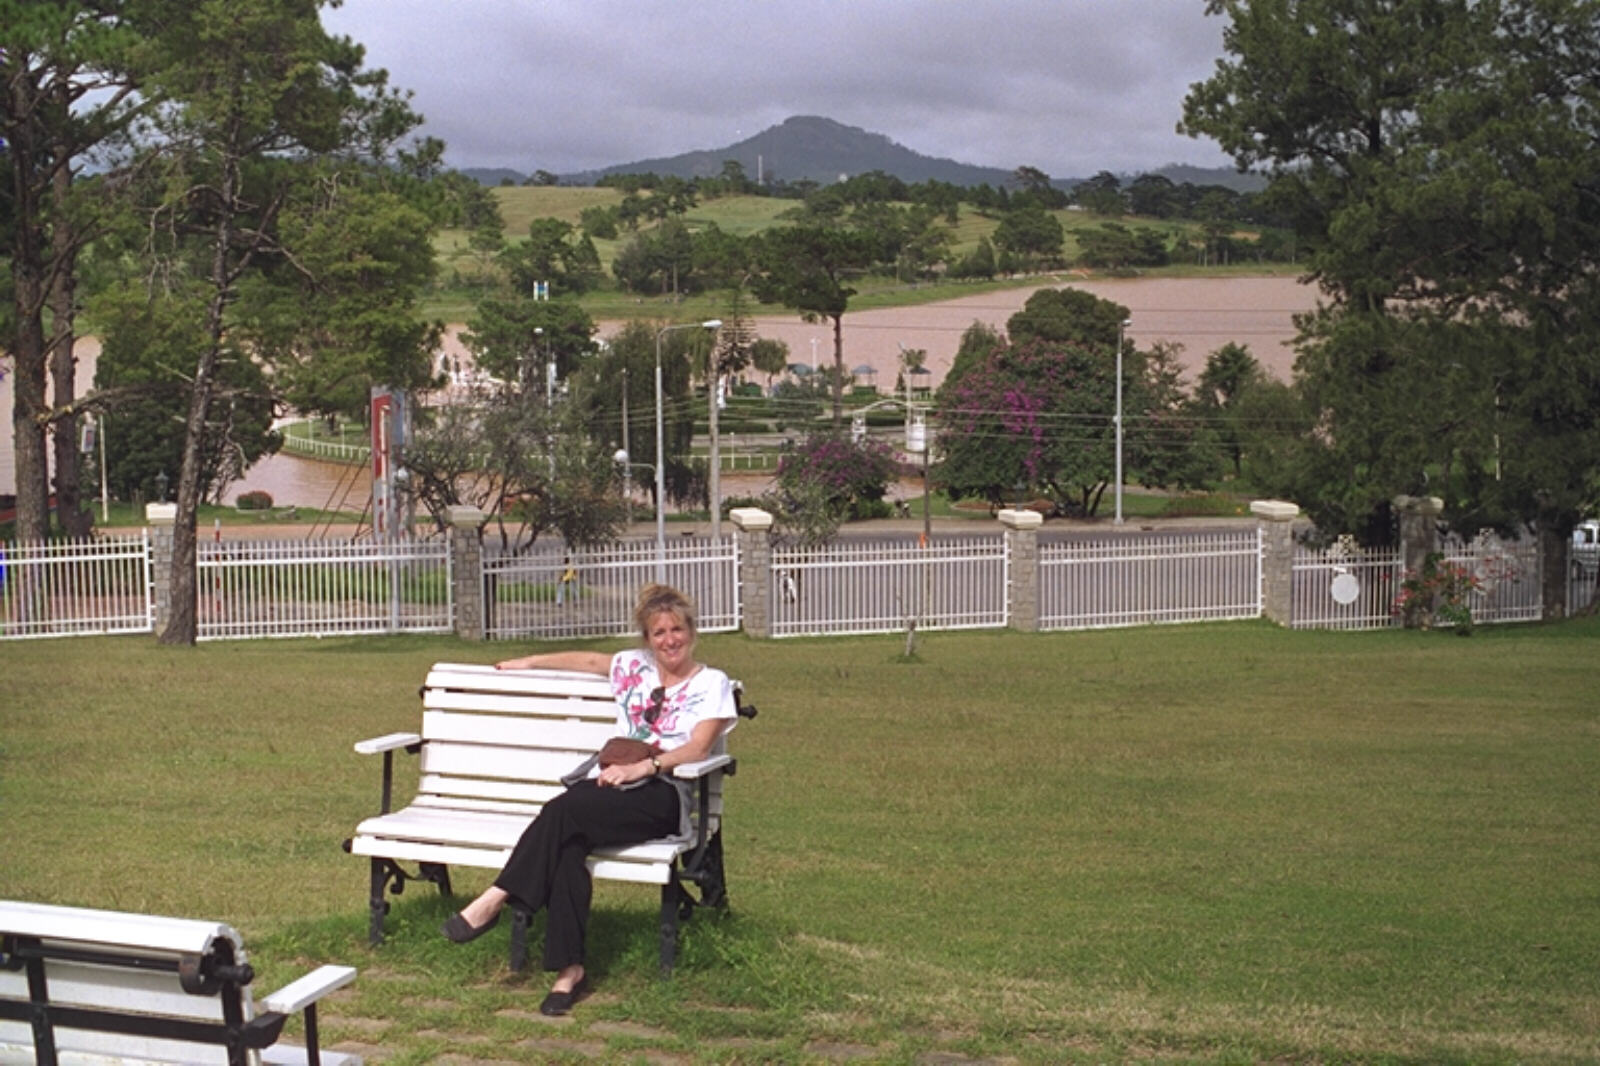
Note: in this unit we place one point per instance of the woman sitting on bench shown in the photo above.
(678, 708)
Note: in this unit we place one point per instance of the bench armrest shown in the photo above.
(296, 996)
(387, 743)
(693, 770)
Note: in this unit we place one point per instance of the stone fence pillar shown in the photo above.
(753, 531)
(1022, 545)
(466, 571)
(1275, 520)
(160, 518)
(1419, 538)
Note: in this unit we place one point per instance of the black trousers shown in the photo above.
(546, 868)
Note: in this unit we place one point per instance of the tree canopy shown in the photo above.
(1440, 163)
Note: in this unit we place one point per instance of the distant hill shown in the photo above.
(1180, 173)
(494, 175)
(808, 147)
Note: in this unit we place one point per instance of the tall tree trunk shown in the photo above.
(76, 521)
(28, 410)
(183, 626)
(1555, 547)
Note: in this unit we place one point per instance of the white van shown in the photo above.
(1586, 547)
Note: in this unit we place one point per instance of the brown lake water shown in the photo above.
(1199, 314)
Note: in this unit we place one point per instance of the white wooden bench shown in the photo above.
(494, 746)
(90, 986)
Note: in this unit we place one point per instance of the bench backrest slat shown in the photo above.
(520, 792)
(483, 760)
(513, 731)
(556, 707)
(477, 678)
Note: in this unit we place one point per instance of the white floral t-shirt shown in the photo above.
(706, 694)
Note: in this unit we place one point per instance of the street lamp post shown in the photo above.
(661, 455)
(1124, 324)
(627, 482)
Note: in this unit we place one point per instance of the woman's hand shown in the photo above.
(623, 773)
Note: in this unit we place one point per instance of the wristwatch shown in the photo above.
(655, 763)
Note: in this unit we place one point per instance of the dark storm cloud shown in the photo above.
(1069, 86)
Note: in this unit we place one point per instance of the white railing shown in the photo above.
(290, 588)
(76, 588)
(1507, 574)
(525, 595)
(337, 451)
(882, 586)
(1139, 580)
(1344, 587)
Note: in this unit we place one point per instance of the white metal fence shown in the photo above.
(1343, 587)
(76, 588)
(282, 588)
(881, 586)
(1507, 574)
(551, 591)
(1139, 580)
(298, 588)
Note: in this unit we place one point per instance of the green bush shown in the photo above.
(256, 500)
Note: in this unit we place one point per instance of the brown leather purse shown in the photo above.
(625, 750)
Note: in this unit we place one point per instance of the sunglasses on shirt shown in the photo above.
(658, 697)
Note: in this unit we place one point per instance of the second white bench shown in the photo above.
(92, 986)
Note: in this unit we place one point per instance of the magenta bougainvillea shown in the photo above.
(848, 473)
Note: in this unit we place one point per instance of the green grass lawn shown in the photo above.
(1210, 843)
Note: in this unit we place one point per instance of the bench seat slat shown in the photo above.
(480, 829)
(641, 863)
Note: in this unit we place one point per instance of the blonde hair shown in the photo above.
(655, 599)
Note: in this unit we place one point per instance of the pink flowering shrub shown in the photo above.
(1440, 590)
(849, 475)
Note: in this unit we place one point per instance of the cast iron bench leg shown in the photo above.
(671, 900)
(519, 939)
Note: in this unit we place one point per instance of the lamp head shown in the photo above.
(620, 457)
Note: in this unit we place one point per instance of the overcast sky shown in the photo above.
(1069, 86)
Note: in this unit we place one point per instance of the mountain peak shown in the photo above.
(811, 148)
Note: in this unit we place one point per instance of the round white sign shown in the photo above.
(1345, 589)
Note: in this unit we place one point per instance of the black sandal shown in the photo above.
(558, 1003)
(458, 930)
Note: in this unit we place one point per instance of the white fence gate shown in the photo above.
(76, 588)
(1139, 580)
(884, 586)
(1344, 587)
(551, 591)
(291, 588)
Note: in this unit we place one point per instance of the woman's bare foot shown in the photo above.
(485, 907)
(567, 979)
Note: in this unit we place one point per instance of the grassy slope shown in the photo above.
(745, 215)
(1202, 843)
